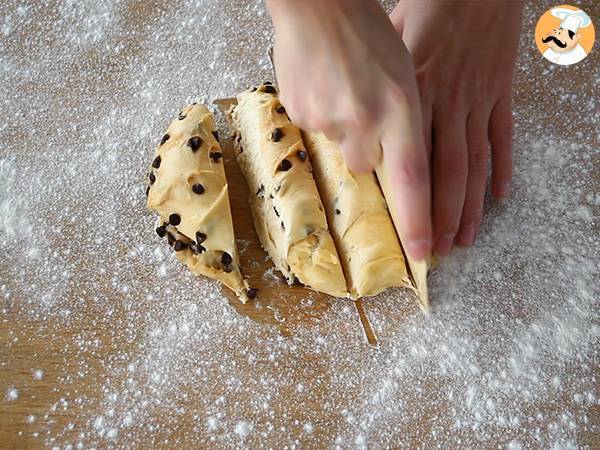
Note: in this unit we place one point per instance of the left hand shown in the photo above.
(464, 54)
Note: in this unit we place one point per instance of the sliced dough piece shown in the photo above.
(360, 223)
(188, 189)
(418, 269)
(287, 210)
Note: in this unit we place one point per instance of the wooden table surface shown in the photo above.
(121, 357)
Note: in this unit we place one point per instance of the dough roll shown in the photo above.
(360, 223)
(286, 208)
(188, 189)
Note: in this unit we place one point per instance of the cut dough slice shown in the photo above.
(188, 189)
(287, 210)
(360, 222)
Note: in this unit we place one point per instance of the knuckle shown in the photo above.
(411, 173)
(454, 164)
(478, 159)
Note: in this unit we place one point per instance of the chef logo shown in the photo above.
(564, 35)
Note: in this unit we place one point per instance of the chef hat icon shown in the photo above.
(570, 19)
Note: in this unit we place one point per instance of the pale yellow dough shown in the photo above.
(182, 167)
(359, 220)
(288, 214)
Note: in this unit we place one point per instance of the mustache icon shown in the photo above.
(555, 40)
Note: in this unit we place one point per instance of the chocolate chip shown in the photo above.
(337, 211)
(198, 189)
(197, 249)
(267, 83)
(179, 245)
(261, 190)
(174, 219)
(215, 156)
(147, 190)
(276, 212)
(182, 116)
(200, 237)
(301, 155)
(284, 166)
(269, 89)
(170, 238)
(152, 177)
(164, 139)
(195, 143)
(251, 293)
(161, 231)
(282, 226)
(156, 162)
(226, 259)
(216, 135)
(280, 109)
(276, 135)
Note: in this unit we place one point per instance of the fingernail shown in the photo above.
(443, 245)
(419, 249)
(502, 189)
(466, 238)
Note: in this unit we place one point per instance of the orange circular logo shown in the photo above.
(565, 35)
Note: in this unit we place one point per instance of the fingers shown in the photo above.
(500, 135)
(450, 163)
(361, 152)
(478, 154)
(427, 113)
(405, 162)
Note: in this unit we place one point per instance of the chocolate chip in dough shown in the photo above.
(161, 231)
(282, 226)
(216, 135)
(197, 249)
(198, 189)
(301, 155)
(170, 239)
(276, 212)
(164, 139)
(179, 245)
(195, 143)
(215, 156)
(269, 89)
(251, 293)
(152, 177)
(284, 166)
(156, 162)
(276, 135)
(174, 219)
(200, 237)
(337, 212)
(280, 109)
(226, 259)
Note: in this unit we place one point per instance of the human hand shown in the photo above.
(464, 54)
(337, 75)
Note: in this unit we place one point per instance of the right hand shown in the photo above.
(343, 70)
